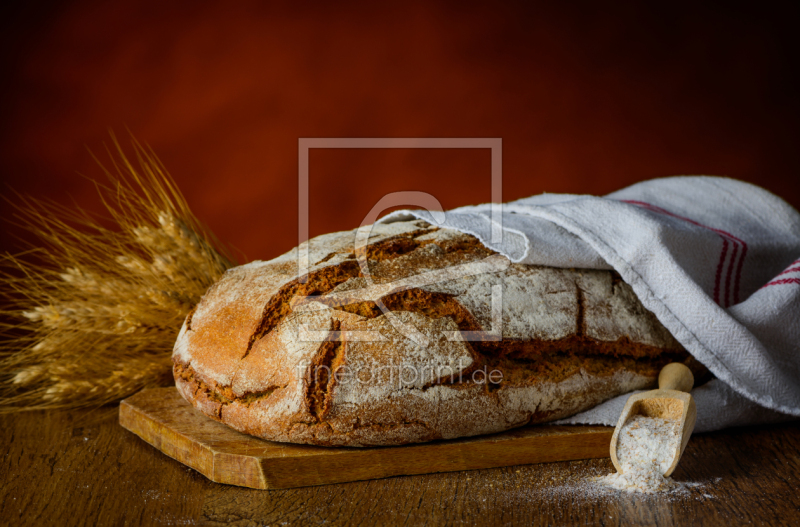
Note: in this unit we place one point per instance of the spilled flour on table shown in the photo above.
(565, 485)
(646, 449)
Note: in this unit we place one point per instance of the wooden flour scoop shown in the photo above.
(671, 401)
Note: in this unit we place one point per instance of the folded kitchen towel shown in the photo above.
(715, 259)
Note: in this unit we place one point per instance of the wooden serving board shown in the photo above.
(165, 420)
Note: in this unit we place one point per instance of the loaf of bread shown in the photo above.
(436, 337)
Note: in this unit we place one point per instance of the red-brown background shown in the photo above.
(586, 100)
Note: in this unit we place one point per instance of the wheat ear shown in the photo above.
(89, 314)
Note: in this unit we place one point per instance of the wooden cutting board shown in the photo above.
(165, 420)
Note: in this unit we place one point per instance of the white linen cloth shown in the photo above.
(715, 259)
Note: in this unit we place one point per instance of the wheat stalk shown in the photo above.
(89, 315)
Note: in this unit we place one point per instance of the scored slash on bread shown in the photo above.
(412, 352)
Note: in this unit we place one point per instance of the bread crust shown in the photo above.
(382, 355)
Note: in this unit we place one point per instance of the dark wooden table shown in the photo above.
(78, 468)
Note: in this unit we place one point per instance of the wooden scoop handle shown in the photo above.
(676, 376)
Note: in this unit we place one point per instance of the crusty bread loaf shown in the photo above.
(409, 349)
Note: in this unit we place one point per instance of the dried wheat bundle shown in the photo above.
(90, 314)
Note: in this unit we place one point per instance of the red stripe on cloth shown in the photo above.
(719, 270)
(782, 281)
(727, 299)
(664, 211)
(726, 236)
(792, 270)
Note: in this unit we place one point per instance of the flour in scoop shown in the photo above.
(646, 448)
